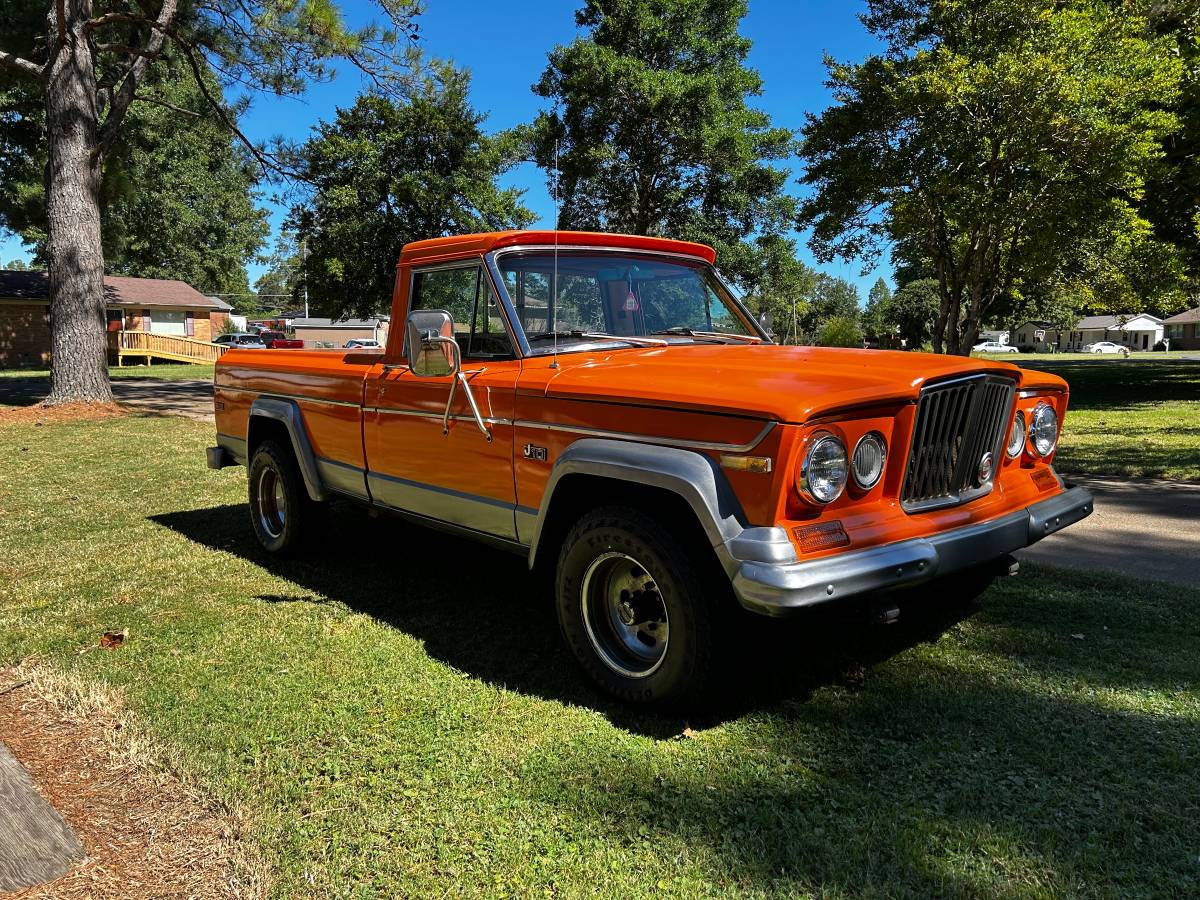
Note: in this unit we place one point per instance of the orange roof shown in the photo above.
(444, 248)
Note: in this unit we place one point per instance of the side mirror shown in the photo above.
(432, 350)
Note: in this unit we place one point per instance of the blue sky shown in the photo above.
(505, 45)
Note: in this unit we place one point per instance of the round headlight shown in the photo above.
(1043, 429)
(1016, 440)
(867, 463)
(823, 472)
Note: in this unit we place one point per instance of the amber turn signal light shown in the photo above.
(821, 536)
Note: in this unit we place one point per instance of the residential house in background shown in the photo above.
(999, 337)
(154, 305)
(335, 332)
(1138, 331)
(1183, 330)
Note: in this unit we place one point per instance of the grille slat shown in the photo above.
(957, 422)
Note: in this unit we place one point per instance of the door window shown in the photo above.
(465, 293)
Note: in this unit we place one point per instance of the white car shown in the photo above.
(1104, 347)
(362, 344)
(994, 347)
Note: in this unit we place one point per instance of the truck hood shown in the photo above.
(786, 384)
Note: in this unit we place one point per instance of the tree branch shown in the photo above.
(263, 159)
(123, 96)
(158, 101)
(16, 64)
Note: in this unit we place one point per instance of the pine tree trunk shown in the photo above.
(79, 351)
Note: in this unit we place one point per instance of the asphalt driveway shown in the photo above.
(193, 399)
(1141, 527)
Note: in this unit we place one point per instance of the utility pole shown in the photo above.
(304, 271)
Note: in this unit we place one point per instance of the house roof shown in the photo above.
(330, 323)
(119, 290)
(1114, 323)
(1183, 318)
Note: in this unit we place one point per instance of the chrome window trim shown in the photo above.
(455, 417)
(480, 263)
(493, 256)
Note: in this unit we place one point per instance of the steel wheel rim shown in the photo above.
(272, 505)
(624, 615)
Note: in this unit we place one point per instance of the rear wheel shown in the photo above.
(283, 515)
(634, 610)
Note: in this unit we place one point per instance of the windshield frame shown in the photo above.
(491, 260)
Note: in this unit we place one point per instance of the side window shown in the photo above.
(467, 295)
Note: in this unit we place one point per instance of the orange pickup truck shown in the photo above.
(605, 406)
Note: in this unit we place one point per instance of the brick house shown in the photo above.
(133, 304)
(1183, 330)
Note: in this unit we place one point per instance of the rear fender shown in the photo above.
(287, 413)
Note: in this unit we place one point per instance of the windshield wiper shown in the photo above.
(720, 336)
(598, 336)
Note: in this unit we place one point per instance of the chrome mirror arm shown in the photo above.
(470, 395)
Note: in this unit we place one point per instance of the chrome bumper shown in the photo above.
(776, 589)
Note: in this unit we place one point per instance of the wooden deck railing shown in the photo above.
(165, 346)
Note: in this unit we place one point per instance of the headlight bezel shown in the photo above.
(1018, 436)
(877, 438)
(1032, 442)
(804, 476)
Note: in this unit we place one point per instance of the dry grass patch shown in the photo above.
(40, 414)
(146, 833)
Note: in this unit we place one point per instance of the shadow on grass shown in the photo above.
(481, 611)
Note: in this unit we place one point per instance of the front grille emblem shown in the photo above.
(984, 473)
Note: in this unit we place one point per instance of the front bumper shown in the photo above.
(775, 589)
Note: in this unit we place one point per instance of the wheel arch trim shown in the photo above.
(692, 476)
(287, 413)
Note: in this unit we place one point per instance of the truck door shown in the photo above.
(459, 476)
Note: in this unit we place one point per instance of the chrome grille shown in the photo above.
(957, 422)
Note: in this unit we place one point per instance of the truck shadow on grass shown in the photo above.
(481, 611)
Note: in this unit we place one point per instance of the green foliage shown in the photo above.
(1002, 141)
(779, 286)
(840, 331)
(831, 298)
(912, 312)
(654, 134)
(281, 284)
(385, 173)
(177, 192)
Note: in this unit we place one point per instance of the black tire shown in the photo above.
(604, 552)
(285, 519)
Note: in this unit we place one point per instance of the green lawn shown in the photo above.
(1130, 417)
(168, 371)
(394, 722)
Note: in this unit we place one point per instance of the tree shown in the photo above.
(89, 61)
(993, 138)
(652, 133)
(874, 316)
(831, 298)
(16, 265)
(282, 284)
(779, 287)
(386, 173)
(177, 193)
(840, 331)
(912, 312)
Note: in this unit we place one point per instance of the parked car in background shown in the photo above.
(243, 339)
(994, 347)
(362, 344)
(1105, 347)
(277, 340)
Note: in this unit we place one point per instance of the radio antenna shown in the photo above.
(553, 308)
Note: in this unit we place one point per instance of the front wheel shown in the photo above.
(634, 610)
(283, 515)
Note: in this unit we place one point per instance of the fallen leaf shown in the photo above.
(689, 732)
(1078, 637)
(111, 639)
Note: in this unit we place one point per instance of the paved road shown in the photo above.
(1140, 527)
(193, 399)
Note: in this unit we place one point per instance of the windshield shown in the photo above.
(624, 295)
